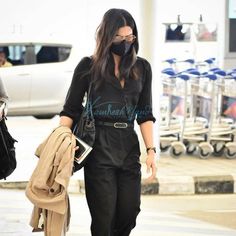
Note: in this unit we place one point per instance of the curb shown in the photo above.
(169, 185)
(214, 184)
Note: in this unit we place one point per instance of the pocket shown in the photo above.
(136, 144)
(135, 136)
(138, 149)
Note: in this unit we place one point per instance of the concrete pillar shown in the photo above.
(148, 50)
(147, 29)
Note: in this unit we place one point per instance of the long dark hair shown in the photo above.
(103, 61)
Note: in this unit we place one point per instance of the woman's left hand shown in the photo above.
(151, 164)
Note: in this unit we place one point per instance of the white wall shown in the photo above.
(72, 20)
(212, 11)
(77, 20)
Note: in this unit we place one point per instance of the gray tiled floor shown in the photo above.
(15, 212)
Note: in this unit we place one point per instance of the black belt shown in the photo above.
(115, 124)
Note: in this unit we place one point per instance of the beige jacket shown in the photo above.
(47, 187)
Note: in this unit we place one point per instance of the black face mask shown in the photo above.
(122, 48)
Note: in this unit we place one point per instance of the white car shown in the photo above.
(39, 79)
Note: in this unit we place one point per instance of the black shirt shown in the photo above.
(111, 102)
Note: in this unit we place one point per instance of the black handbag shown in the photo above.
(84, 130)
(7, 151)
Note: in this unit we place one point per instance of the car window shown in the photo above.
(15, 54)
(50, 54)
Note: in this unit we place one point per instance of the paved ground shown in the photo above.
(30, 132)
(196, 215)
(194, 166)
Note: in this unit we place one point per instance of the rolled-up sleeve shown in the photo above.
(73, 103)
(144, 107)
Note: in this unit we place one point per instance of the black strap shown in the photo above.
(88, 105)
(114, 124)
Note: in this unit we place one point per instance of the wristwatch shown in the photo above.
(151, 148)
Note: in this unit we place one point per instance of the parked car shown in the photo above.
(38, 80)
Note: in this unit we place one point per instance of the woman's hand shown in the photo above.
(151, 164)
(147, 131)
(76, 148)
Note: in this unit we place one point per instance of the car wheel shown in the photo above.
(44, 116)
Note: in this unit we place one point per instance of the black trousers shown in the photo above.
(112, 177)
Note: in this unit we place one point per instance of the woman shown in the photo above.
(3, 59)
(121, 94)
(3, 100)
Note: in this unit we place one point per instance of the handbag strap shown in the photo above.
(90, 85)
(3, 137)
(88, 105)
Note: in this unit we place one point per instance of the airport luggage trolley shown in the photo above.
(223, 136)
(189, 121)
(169, 126)
(198, 125)
(172, 130)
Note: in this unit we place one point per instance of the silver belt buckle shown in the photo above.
(123, 125)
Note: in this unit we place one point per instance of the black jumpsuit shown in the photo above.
(112, 172)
